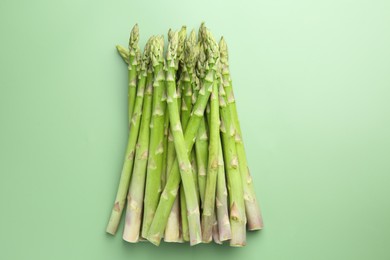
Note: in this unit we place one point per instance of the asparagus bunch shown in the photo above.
(185, 173)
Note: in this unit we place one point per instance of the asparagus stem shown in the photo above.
(201, 149)
(183, 213)
(124, 53)
(216, 238)
(170, 230)
(173, 230)
(215, 229)
(134, 120)
(208, 215)
(165, 153)
(171, 188)
(136, 190)
(236, 199)
(156, 146)
(221, 201)
(253, 212)
(184, 219)
(171, 152)
(195, 90)
(133, 64)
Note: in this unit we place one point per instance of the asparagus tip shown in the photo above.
(182, 35)
(170, 34)
(156, 49)
(172, 48)
(135, 28)
(134, 37)
(123, 52)
(202, 32)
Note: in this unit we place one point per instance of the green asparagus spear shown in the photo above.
(134, 121)
(136, 190)
(191, 53)
(173, 230)
(201, 143)
(236, 196)
(156, 146)
(252, 208)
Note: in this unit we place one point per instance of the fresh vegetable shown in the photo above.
(134, 122)
(185, 172)
(156, 145)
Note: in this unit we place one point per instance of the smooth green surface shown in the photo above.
(312, 85)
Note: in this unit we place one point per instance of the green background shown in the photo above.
(312, 83)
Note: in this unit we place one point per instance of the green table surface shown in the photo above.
(312, 84)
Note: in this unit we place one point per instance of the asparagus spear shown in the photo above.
(236, 199)
(167, 143)
(133, 64)
(208, 215)
(171, 146)
(173, 181)
(173, 230)
(191, 53)
(156, 146)
(252, 208)
(134, 121)
(136, 189)
(201, 143)
(195, 89)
